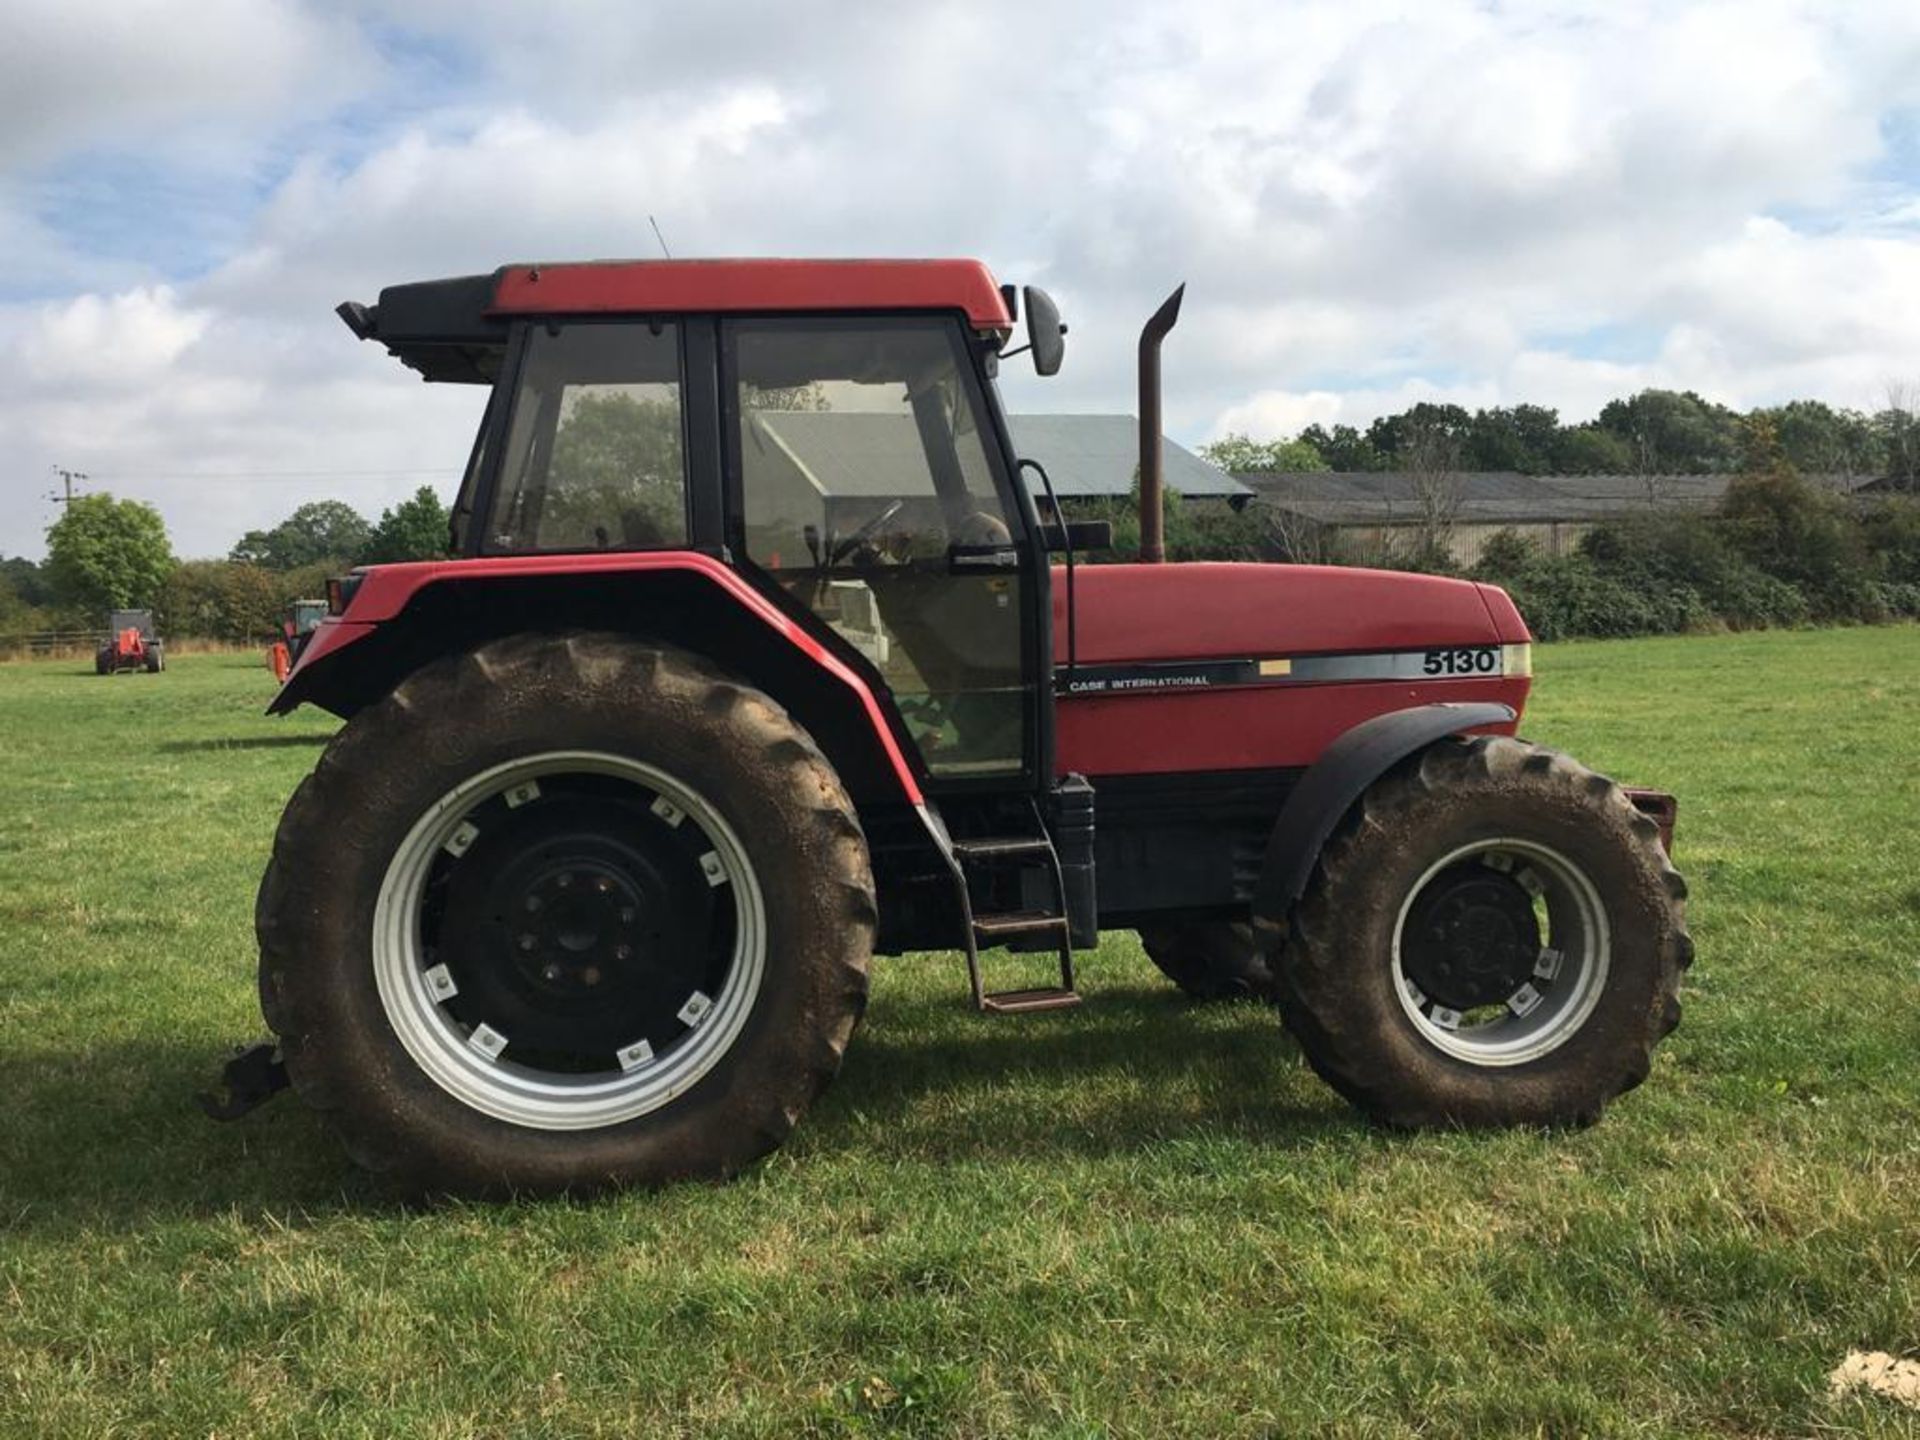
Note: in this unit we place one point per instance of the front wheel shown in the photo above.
(1493, 937)
(566, 913)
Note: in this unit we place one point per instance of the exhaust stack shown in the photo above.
(1153, 543)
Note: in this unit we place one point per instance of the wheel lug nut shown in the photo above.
(527, 942)
(550, 973)
(533, 903)
(564, 879)
(603, 885)
(626, 914)
(623, 952)
(591, 975)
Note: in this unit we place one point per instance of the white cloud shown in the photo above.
(126, 73)
(110, 342)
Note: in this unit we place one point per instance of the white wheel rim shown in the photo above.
(455, 1058)
(1578, 952)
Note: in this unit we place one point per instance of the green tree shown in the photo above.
(1343, 448)
(1518, 438)
(1793, 531)
(1240, 455)
(1820, 440)
(1425, 427)
(323, 531)
(415, 529)
(25, 582)
(1898, 430)
(1671, 432)
(1589, 450)
(617, 475)
(105, 554)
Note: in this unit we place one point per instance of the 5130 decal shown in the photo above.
(1466, 660)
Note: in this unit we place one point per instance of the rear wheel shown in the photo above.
(566, 913)
(1493, 937)
(1209, 959)
(156, 660)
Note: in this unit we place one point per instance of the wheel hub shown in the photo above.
(577, 922)
(577, 926)
(1472, 937)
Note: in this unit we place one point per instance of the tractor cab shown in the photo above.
(851, 465)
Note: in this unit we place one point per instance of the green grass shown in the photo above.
(1139, 1218)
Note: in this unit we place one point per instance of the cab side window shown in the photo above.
(594, 457)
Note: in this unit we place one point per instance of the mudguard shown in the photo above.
(1334, 781)
(386, 596)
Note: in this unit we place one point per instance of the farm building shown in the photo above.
(1372, 512)
(1093, 456)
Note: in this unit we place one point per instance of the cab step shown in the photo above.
(1008, 847)
(1019, 922)
(996, 853)
(1020, 1002)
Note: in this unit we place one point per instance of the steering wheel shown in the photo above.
(838, 550)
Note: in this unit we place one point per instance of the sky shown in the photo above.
(1370, 204)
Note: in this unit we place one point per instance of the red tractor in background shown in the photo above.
(755, 661)
(131, 644)
(295, 626)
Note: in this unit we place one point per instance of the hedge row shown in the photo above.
(1778, 553)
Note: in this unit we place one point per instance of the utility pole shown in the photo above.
(67, 481)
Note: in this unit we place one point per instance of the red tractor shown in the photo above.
(131, 644)
(755, 661)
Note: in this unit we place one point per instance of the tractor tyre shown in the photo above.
(156, 659)
(564, 913)
(102, 662)
(1209, 959)
(1493, 936)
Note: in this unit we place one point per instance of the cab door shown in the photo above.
(868, 485)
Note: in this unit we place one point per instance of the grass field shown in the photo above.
(1139, 1218)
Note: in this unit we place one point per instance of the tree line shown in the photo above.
(105, 553)
(1655, 432)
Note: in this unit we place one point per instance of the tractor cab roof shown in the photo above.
(456, 329)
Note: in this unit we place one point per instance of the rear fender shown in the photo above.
(405, 616)
(1336, 780)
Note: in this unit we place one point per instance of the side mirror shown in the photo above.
(1046, 336)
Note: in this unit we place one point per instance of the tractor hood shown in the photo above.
(1149, 614)
(1215, 668)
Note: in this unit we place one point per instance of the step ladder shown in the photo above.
(968, 858)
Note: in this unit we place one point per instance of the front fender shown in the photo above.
(1335, 781)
